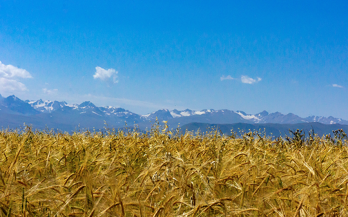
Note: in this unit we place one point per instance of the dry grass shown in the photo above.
(128, 174)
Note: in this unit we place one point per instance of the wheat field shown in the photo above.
(164, 173)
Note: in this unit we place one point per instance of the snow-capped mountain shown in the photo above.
(14, 112)
(48, 106)
(162, 114)
(85, 108)
(169, 114)
(187, 112)
(119, 112)
(325, 120)
(228, 116)
(13, 104)
(89, 108)
(255, 118)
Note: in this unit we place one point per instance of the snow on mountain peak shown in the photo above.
(146, 116)
(247, 117)
(13, 97)
(88, 108)
(185, 113)
(199, 112)
(175, 115)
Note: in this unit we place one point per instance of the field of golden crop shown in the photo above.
(166, 174)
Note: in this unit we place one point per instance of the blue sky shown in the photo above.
(286, 56)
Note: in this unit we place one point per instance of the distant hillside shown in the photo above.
(274, 129)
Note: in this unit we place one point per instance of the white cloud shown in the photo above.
(228, 77)
(9, 75)
(47, 91)
(9, 85)
(247, 80)
(10, 71)
(244, 79)
(336, 85)
(104, 74)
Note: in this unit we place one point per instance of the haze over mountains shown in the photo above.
(66, 117)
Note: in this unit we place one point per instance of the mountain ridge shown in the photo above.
(55, 114)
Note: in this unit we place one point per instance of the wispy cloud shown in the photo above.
(123, 101)
(338, 86)
(244, 79)
(228, 77)
(247, 80)
(10, 71)
(106, 74)
(137, 106)
(10, 85)
(47, 91)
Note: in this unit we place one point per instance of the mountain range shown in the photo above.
(275, 130)
(68, 117)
